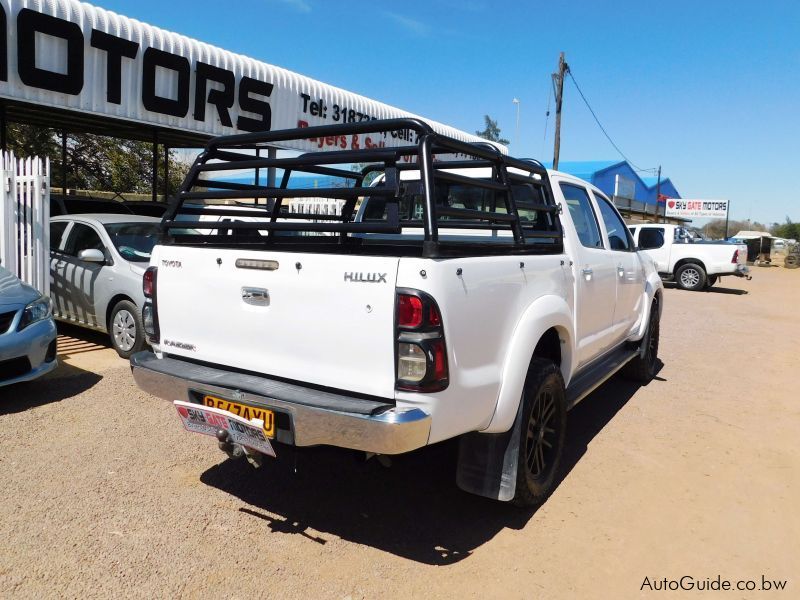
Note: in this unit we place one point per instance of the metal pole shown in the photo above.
(272, 154)
(658, 197)
(258, 172)
(166, 172)
(63, 162)
(558, 85)
(727, 214)
(3, 128)
(154, 183)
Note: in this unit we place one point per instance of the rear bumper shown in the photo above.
(317, 417)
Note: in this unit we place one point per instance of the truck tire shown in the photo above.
(642, 368)
(543, 427)
(791, 262)
(691, 277)
(125, 329)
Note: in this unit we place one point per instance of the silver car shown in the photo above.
(27, 331)
(96, 267)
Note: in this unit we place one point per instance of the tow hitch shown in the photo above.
(237, 451)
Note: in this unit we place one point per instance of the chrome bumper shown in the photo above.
(391, 431)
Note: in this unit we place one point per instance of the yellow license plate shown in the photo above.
(244, 411)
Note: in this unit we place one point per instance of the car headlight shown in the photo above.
(38, 310)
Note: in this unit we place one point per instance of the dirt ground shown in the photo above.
(697, 474)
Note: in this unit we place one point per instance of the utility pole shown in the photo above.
(558, 92)
(658, 197)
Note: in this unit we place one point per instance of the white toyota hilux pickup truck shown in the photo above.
(478, 297)
(693, 264)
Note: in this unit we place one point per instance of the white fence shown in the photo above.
(316, 206)
(25, 219)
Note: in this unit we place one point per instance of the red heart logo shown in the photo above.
(183, 412)
(671, 204)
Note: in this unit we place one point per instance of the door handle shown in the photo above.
(256, 296)
(588, 272)
(621, 271)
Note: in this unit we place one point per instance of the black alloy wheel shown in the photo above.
(542, 433)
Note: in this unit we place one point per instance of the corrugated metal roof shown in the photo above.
(159, 84)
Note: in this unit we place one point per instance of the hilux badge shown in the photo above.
(365, 277)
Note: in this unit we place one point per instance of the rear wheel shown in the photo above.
(125, 329)
(543, 427)
(691, 277)
(642, 368)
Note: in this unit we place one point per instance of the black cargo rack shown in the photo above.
(495, 228)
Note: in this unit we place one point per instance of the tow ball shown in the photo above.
(238, 451)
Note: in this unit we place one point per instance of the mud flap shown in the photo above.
(487, 462)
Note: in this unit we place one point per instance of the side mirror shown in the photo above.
(92, 255)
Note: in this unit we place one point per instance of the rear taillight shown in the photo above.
(149, 310)
(149, 282)
(409, 311)
(735, 258)
(421, 349)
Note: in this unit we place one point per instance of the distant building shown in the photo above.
(634, 196)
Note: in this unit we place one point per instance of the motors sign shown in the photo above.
(68, 55)
(697, 209)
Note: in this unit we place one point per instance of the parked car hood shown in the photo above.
(13, 291)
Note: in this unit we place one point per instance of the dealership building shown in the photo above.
(76, 68)
(636, 197)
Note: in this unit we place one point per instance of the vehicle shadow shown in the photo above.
(723, 290)
(412, 509)
(73, 339)
(714, 290)
(66, 381)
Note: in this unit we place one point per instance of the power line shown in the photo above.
(600, 125)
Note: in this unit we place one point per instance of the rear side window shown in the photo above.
(651, 238)
(83, 237)
(457, 196)
(582, 213)
(56, 234)
(618, 234)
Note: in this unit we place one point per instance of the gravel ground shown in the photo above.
(698, 474)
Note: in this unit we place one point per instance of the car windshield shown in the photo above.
(134, 241)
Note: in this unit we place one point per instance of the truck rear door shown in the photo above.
(594, 271)
(324, 319)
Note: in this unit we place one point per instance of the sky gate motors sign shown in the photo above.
(69, 55)
(697, 209)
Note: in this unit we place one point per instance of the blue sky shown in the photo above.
(710, 90)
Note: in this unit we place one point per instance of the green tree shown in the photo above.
(788, 230)
(95, 162)
(492, 131)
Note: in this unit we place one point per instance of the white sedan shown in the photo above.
(96, 267)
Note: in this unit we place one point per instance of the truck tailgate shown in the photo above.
(324, 319)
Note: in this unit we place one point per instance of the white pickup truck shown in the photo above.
(480, 297)
(693, 264)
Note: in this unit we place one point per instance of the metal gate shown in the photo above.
(25, 219)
